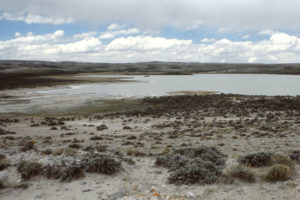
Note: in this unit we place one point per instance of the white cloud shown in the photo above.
(113, 27)
(151, 32)
(112, 34)
(17, 34)
(246, 37)
(266, 32)
(29, 33)
(52, 46)
(35, 18)
(237, 14)
(205, 40)
(146, 43)
(83, 46)
(106, 36)
(85, 35)
(194, 26)
(278, 48)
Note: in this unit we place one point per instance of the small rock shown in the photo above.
(191, 195)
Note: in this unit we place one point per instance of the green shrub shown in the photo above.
(29, 169)
(261, 159)
(201, 172)
(278, 172)
(103, 165)
(63, 173)
(201, 165)
(264, 159)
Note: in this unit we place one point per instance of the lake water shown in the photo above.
(158, 85)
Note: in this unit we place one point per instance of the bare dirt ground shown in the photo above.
(135, 133)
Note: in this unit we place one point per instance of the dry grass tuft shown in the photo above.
(29, 169)
(4, 163)
(242, 173)
(278, 172)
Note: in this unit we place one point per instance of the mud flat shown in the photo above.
(208, 146)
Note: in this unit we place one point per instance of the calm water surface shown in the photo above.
(158, 85)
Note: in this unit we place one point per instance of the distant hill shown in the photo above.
(44, 67)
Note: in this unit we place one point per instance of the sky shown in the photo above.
(117, 31)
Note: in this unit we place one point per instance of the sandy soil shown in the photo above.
(261, 129)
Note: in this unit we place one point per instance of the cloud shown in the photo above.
(278, 48)
(205, 40)
(113, 27)
(35, 19)
(246, 36)
(85, 35)
(194, 26)
(54, 46)
(146, 43)
(17, 34)
(111, 34)
(231, 14)
(107, 35)
(266, 32)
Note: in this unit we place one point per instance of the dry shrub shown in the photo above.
(136, 153)
(101, 127)
(101, 148)
(242, 173)
(4, 163)
(28, 145)
(278, 172)
(295, 156)
(70, 152)
(57, 152)
(282, 159)
(29, 169)
(1, 185)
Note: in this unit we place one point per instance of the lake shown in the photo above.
(158, 85)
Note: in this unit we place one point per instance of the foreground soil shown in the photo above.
(136, 132)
